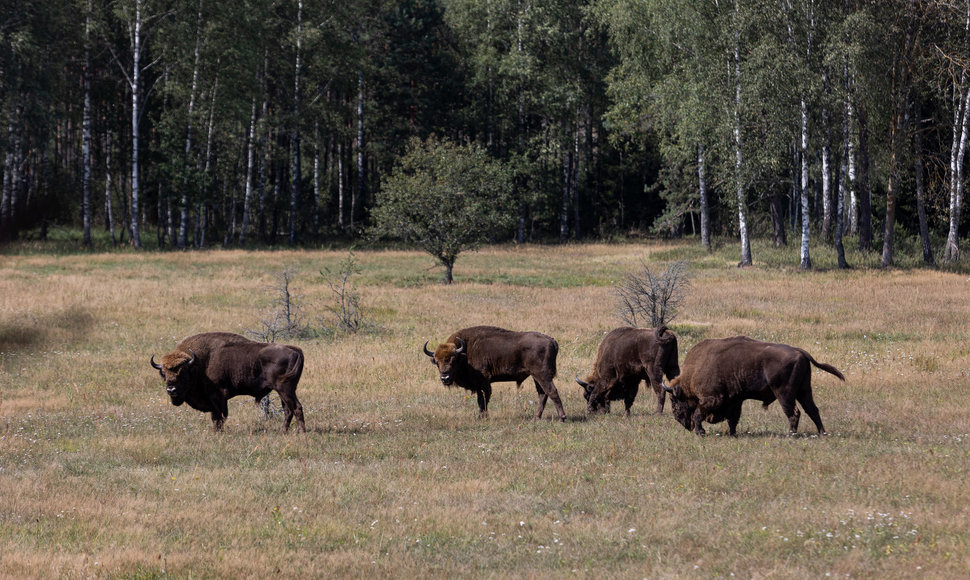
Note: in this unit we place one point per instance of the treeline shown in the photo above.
(193, 123)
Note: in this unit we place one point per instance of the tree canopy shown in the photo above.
(192, 123)
(445, 198)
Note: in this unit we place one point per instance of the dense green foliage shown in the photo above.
(445, 198)
(208, 122)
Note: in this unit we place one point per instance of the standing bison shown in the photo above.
(720, 374)
(625, 357)
(474, 358)
(206, 370)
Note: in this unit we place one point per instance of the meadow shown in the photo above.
(101, 477)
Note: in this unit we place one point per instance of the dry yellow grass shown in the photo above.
(101, 477)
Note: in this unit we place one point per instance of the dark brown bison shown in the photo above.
(474, 358)
(206, 370)
(625, 357)
(720, 374)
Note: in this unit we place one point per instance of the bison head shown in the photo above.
(600, 404)
(449, 359)
(683, 406)
(176, 371)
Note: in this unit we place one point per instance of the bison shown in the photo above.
(625, 357)
(206, 370)
(474, 358)
(720, 374)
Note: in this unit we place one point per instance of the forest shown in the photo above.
(249, 123)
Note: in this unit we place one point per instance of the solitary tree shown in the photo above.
(445, 198)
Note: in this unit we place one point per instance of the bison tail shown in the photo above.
(827, 368)
(295, 370)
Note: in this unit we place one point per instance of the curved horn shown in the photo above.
(154, 364)
(426, 351)
(191, 360)
(581, 383)
(461, 348)
(664, 386)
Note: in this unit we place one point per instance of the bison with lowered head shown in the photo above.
(206, 370)
(474, 358)
(720, 374)
(625, 357)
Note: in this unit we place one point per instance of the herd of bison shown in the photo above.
(717, 375)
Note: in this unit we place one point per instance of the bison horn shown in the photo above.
(154, 364)
(461, 348)
(581, 383)
(426, 351)
(191, 360)
(666, 388)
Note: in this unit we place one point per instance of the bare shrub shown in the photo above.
(347, 311)
(652, 299)
(284, 317)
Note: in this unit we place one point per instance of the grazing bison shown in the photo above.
(719, 374)
(625, 357)
(206, 370)
(474, 358)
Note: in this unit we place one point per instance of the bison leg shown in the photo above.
(484, 396)
(792, 412)
(733, 415)
(291, 408)
(548, 391)
(697, 418)
(631, 390)
(809, 405)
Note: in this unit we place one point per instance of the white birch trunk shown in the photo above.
(86, 133)
(961, 101)
(742, 211)
(189, 123)
(135, 113)
(806, 260)
(250, 164)
(108, 213)
(705, 209)
(295, 172)
(340, 185)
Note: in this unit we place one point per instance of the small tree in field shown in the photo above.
(445, 198)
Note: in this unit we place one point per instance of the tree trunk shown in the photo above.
(361, 188)
(86, 132)
(865, 191)
(705, 209)
(250, 165)
(135, 113)
(826, 164)
(924, 230)
(958, 147)
(806, 260)
(295, 171)
(189, 123)
(739, 181)
(108, 213)
(340, 184)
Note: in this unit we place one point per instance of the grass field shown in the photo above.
(100, 476)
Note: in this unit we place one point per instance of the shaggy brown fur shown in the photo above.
(625, 357)
(474, 358)
(720, 374)
(206, 370)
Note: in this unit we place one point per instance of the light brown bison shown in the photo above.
(720, 374)
(474, 358)
(625, 357)
(206, 370)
